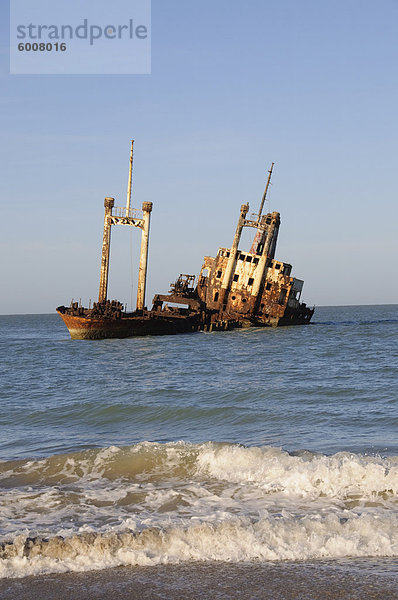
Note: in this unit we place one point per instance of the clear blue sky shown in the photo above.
(310, 85)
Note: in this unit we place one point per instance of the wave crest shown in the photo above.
(305, 474)
(272, 538)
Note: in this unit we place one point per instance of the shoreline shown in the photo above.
(365, 579)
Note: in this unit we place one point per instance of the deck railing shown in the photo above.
(134, 213)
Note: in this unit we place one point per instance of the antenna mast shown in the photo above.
(130, 180)
(265, 193)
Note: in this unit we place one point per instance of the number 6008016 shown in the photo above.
(41, 47)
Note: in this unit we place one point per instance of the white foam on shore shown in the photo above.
(165, 503)
(272, 538)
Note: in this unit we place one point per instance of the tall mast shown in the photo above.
(265, 193)
(106, 245)
(130, 180)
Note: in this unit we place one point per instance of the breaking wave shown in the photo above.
(151, 504)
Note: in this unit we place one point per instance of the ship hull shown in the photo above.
(152, 323)
(98, 328)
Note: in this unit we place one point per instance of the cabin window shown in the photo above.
(216, 297)
(250, 281)
(244, 300)
(268, 286)
(248, 258)
(242, 256)
(227, 254)
(236, 277)
(233, 297)
(219, 273)
(255, 260)
(282, 296)
(277, 266)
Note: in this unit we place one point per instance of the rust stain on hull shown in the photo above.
(129, 325)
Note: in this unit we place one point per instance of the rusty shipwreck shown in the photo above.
(234, 289)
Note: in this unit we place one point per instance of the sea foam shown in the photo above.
(273, 538)
(153, 503)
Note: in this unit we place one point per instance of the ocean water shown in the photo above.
(250, 446)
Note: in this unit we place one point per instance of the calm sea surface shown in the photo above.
(251, 445)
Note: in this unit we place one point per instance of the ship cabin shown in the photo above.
(252, 286)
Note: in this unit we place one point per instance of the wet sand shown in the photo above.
(322, 580)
